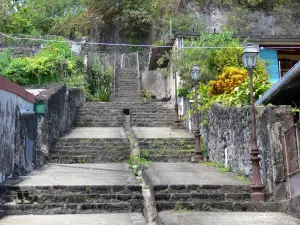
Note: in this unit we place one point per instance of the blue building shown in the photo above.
(280, 52)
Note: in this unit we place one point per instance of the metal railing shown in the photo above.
(292, 149)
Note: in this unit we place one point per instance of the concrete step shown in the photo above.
(79, 219)
(204, 205)
(224, 218)
(76, 188)
(73, 208)
(210, 197)
(95, 150)
(98, 124)
(90, 158)
(74, 198)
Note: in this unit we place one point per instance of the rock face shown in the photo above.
(256, 22)
(227, 135)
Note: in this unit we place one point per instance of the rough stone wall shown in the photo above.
(61, 104)
(12, 111)
(155, 83)
(22, 51)
(258, 22)
(227, 136)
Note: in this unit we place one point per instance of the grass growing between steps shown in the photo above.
(220, 166)
(180, 208)
(137, 164)
(240, 175)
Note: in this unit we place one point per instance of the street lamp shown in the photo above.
(198, 152)
(176, 117)
(250, 56)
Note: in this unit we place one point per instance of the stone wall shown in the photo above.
(227, 135)
(16, 120)
(257, 22)
(25, 137)
(156, 83)
(61, 104)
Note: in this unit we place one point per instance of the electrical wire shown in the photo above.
(139, 45)
(114, 44)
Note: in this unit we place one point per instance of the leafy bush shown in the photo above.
(182, 92)
(50, 65)
(207, 58)
(225, 83)
(99, 82)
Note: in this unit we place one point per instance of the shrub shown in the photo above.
(226, 82)
(50, 65)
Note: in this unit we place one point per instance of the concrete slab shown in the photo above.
(188, 174)
(225, 218)
(81, 174)
(161, 132)
(78, 219)
(97, 132)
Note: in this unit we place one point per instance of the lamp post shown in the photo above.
(176, 117)
(250, 56)
(198, 152)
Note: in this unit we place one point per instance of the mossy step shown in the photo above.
(206, 188)
(74, 189)
(86, 159)
(220, 206)
(73, 208)
(190, 197)
(73, 198)
(91, 140)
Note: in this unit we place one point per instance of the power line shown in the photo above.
(114, 44)
(138, 45)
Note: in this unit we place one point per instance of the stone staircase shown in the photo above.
(191, 188)
(88, 173)
(209, 198)
(66, 199)
(167, 149)
(153, 114)
(127, 88)
(98, 114)
(95, 150)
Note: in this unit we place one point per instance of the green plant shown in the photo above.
(180, 208)
(182, 92)
(51, 64)
(221, 167)
(140, 180)
(145, 187)
(241, 175)
(99, 80)
(137, 164)
(145, 94)
(225, 169)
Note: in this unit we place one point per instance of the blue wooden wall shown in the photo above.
(271, 57)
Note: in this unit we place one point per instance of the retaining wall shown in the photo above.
(227, 135)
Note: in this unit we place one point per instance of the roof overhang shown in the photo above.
(286, 91)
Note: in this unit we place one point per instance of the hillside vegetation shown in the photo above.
(74, 18)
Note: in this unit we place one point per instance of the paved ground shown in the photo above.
(225, 218)
(81, 174)
(188, 174)
(78, 219)
(161, 132)
(97, 132)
